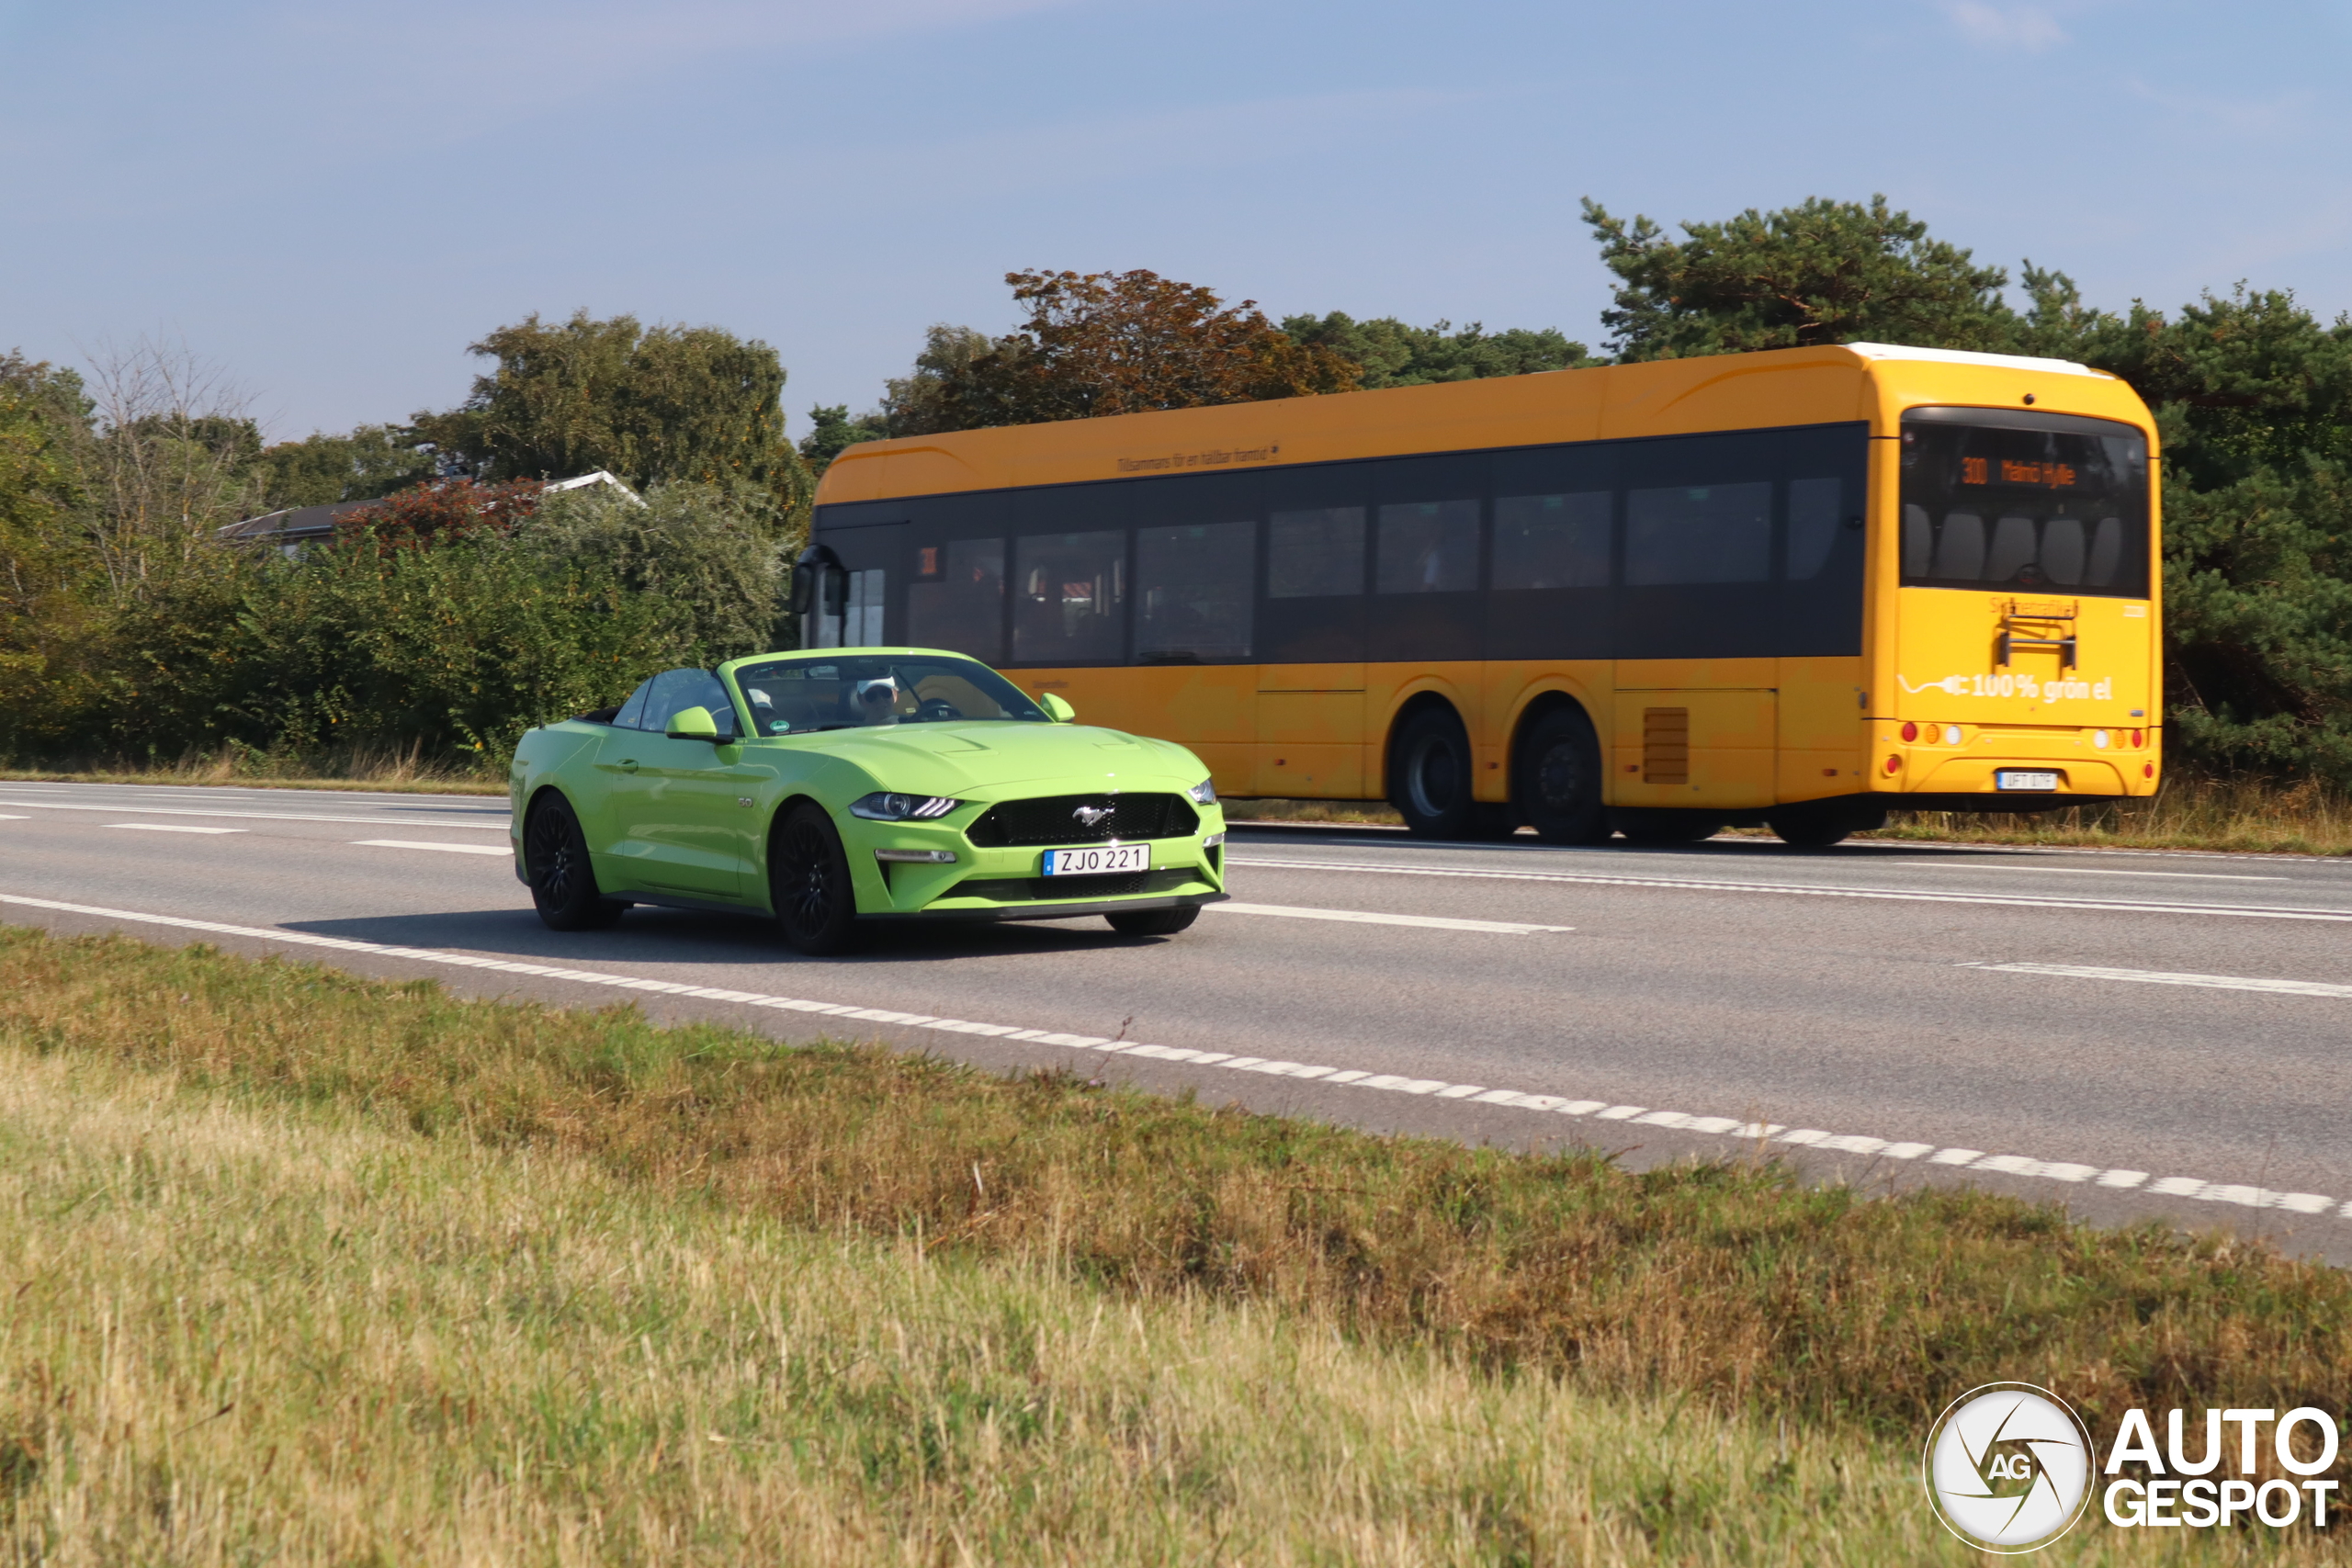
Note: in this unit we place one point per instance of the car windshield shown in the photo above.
(791, 696)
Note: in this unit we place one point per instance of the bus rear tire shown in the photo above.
(1556, 779)
(1819, 826)
(1667, 826)
(1429, 773)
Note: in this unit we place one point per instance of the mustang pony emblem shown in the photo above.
(1093, 815)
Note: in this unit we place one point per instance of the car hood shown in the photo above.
(957, 759)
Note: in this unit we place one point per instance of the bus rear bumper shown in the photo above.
(2078, 776)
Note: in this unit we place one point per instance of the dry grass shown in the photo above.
(266, 1312)
(383, 770)
(1734, 1284)
(2243, 816)
(1356, 811)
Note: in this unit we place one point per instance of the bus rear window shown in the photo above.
(1997, 500)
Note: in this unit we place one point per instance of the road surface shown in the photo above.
(2133, 1034)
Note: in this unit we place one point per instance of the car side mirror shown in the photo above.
(694, 724)
(1058, 710)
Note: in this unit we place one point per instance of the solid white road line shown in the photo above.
(2163, 978)
(2190, 1187)
(1918, 895)
(501, 824)
(172, 828)
(499, 850)
(6, 817)
(1435, 923)
(2081, 870)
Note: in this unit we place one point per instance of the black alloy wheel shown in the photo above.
(1559, 779)
(1153, 922)
(563, 883)
(808, 880)
(1429, 774)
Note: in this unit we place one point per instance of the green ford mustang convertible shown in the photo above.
(864, 783)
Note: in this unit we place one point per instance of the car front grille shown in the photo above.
(1072, 889)
(1055, 819)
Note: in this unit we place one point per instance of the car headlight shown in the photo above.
(887, 805)
(1204, 793)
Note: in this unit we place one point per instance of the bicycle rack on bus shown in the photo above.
(2016, 616)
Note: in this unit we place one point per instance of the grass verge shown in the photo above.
(388, 772)
(415, 1276)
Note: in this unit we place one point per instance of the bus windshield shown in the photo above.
(792, 697)
(1994, 498)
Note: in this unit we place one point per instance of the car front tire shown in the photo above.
(563, 883)
(809, 882)
(1153, 922)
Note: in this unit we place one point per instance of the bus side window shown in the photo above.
(1316, 554)
(1812, 526)
(955, 599)
(1194, 591)
(1551, 541)
(1429, 547)
(1691, 533)
(1070, 602)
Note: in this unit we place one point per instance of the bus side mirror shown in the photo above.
(1056, 709)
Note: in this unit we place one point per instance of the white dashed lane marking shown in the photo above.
(1359, 917)
(499, 850)
(2166, 977)
(1799, 890)
(172, 827)
(2193, 1188)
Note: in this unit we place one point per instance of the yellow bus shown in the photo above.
(1797, 588)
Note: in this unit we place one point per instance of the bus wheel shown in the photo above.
(1819, 826)
(1429, 776)
(1667, 826)
(1557, 781)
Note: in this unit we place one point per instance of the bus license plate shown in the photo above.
(1094, 862)
(2020, 778)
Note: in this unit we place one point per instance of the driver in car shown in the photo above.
(878, 700)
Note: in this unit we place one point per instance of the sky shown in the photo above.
(329, 201)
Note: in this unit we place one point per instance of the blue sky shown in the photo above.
(329, 201)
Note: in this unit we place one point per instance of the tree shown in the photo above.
(1099, 343)
(702, 552)
(648, 405)
(443, 513)
(1822, 272)
(2253, 395)
(834, 431)
(167, 458)
(1388, 352)
(373, 460)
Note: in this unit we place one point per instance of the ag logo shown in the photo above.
(1093, 815)
(2008, 1467)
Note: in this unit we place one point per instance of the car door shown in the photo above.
(678, 807)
